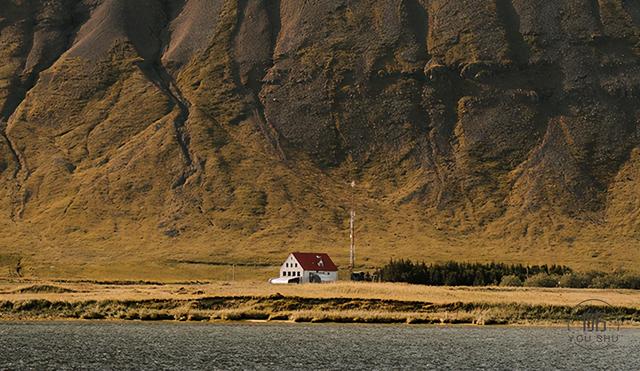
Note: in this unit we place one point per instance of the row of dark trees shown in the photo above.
(462, 274)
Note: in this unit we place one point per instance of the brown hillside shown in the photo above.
(137, 135)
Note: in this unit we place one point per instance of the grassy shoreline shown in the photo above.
(340, 303)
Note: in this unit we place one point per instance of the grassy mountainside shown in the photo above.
(138, 137)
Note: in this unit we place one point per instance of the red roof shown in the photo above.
(311, 261)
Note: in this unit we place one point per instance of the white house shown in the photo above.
(303, 267)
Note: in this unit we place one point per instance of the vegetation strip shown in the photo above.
(490, 274)
(300, 309)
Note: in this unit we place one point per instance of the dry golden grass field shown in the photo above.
(336, 302)
(80, 291)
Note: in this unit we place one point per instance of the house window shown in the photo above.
(298, 274)
(286, 265)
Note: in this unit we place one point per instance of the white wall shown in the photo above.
(291, 266)
(324, 276)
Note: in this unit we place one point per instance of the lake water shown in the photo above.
(137, 345)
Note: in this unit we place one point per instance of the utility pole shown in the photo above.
(352, 234)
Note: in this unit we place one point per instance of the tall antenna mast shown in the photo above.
(352, 234)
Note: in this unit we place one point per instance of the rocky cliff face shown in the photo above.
(229, 130)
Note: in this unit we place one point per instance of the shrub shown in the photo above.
(542, 280)
(605, 281)
(239, 315)
(575, 280)
(617, 280)
(511, 280)
(630, 281)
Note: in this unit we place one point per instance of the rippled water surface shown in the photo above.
(135, 345)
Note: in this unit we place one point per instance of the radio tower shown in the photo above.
(352, 235)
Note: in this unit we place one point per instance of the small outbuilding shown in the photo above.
(303, 267)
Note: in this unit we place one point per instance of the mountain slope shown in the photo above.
(157, 133)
